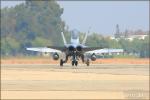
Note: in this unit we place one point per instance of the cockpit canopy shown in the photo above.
(75, 34)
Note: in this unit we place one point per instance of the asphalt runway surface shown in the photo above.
(50, 81)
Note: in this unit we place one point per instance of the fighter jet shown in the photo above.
(74, 50)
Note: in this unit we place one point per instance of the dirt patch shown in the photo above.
(98, 61)
(122, 61)
(41, 82)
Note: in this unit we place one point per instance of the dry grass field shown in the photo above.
(104, 79)
(98, 61)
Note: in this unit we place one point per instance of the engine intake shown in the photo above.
(79, 48)
(55, 56)
(71, 48)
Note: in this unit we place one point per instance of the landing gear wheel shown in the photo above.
(88, 62)
(61, 62)
(76, 63)
(73, 63)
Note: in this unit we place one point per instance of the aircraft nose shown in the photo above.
(75, 34)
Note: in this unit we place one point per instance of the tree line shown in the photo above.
(39, 23)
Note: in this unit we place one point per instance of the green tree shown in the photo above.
(34, 23)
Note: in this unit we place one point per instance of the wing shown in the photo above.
(57, 48)
(44, 49)
(87, 49)
(105, 50)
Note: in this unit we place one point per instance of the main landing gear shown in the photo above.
(74, 62)
(87, 62)
(61, 62)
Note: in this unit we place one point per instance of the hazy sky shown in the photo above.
(102, 16)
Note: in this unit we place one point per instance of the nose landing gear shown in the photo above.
(74, 62)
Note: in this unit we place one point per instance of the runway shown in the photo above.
(98, 81)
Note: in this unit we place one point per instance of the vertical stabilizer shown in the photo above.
(62, 34)
(84, 40)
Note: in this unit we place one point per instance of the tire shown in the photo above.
(73, 63)
(88, 62)
(76, 63)
(61, 62)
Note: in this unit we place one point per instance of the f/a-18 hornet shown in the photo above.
(75, 50)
